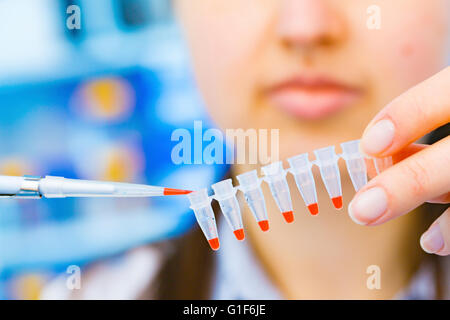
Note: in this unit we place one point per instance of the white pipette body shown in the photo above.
(59, 187)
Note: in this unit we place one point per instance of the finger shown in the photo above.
(409, 117)
(445, 198)
(404, 186)
(437, 238)
(408, 151)
(396, 158)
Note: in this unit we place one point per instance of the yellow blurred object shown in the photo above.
(14, 167)
(29, 286)
(121, 163)
(106, 99)
(118, 166)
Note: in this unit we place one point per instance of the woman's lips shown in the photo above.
(311, 99)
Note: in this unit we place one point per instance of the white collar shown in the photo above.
(239, 275)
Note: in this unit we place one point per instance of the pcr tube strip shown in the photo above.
(275, 177)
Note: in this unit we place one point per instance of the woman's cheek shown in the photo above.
(418, 54)
(226, 56)
(410, 46)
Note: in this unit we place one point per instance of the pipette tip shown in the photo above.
(313, 209)
(214, 244)
(288, 216)
(264, 225)
(337, 202)
(174, 192)
(239, 233)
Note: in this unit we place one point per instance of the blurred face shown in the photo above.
(311, 68)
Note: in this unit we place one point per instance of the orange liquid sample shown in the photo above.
(337, 202)
(214, 244)
(313, 209)
(264, 225)
(239, 233)
(288, 216)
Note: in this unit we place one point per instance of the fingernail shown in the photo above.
(379, 137)
(432, 240)
(368, 206)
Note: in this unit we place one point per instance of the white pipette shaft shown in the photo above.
(59, 187)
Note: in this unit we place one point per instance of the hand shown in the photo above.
(420, 173)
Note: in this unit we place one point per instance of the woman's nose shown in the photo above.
(309, 23)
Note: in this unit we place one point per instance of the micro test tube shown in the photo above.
(329, 170)
(250, 185)
(201, 204)
(382, 164)
(356, 165)
(276, 178)
(301, 169)
(225, 194)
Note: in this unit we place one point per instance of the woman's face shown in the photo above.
(311, 68)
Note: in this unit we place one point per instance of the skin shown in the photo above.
(423, 176)
(240, 48)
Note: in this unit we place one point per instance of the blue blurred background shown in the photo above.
(99, 103)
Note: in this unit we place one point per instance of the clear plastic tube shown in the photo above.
(276, 178)
(301, 170)
(382, 164)
(201, 204)
(225, 194)
(329, 170)
(250, 184)
(356, 165)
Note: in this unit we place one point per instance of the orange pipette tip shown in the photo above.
(288, 216)
(264, 225)
(214, 243)
(239, 233)
(174, 192)
(337, 202)
(313, 209)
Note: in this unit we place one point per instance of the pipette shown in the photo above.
(32, 187)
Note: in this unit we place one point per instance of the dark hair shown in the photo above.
(188, 271)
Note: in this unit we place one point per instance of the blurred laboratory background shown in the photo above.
(99, 102)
